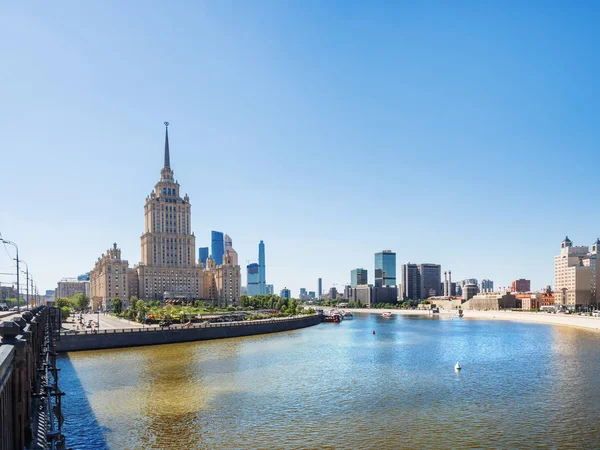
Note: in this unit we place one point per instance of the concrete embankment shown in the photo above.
(135, 337)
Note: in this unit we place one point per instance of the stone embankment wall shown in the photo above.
(134, 337)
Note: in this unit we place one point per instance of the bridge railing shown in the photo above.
(26, 364)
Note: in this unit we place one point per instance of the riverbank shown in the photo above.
(568, 320)
(136, 337)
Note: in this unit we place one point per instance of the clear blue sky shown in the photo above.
(460, 133)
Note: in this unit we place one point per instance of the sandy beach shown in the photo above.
(569, 320)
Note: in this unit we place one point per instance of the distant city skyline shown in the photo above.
(254, 91)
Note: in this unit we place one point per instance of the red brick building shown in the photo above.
(520, 285)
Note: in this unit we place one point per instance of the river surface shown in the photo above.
(339, 386)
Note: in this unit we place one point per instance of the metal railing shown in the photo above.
(29, 395)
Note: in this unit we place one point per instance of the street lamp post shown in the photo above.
(26, 285)
(17, 248)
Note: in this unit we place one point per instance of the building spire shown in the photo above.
(167, 158)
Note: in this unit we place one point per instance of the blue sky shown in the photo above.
(460, 133)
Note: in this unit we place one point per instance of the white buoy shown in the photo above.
(457, 366)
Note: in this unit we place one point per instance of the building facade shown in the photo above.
(203, 255)
(262, 269)
(421, 281)
(285, 293)
(228, 281)
(229, 248)
(270, 289)
(576, 274)
(358, 276)
(320, 287)
(520, 285)
(385, 268)
(252, 279)
(109, 280)
(168, 268)
(217, 246)
(68, 287)
(486, 286)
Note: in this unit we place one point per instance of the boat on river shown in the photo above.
(387, 315)
(332, 318)
(347, 316)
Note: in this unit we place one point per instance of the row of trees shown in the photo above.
(269, 301)
(78, 302)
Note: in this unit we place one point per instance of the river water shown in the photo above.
(339, 386)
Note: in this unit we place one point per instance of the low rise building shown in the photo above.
(68, 287)
(491, 301)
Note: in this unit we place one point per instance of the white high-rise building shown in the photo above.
(575, 275)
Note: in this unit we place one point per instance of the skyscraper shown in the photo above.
(358, 276)
(486, 286)
(320, 288)
(168, 265)
(229, 248)
(262, 277)
(421, 281)
(385, 268)
(430, 280)
(203, 254)
(217, 247)
(252, 279)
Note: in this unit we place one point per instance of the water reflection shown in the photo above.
(340, 386)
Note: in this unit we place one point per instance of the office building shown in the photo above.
(229, 248)
(252, 282)
(358, 276)
(369, 295)
(486, 286)
(421, 281)
(520, 285)
(576, 274)
(320, 288)
(262, 270)
(311, 295)
(285, 293)
(84, 277)
(68, 287)
(270, 289)
(430, 278)
(168, 268)
(217, 246)
(203, 254)
(469, 291)
(333, 293)
(385, 268)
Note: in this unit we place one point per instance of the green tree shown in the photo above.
(140, 306)
(65, 312)
(117, 305)
(63, 301)
(80, 302)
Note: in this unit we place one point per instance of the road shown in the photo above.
(107, 322)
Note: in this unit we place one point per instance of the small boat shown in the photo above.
(457, 366)
(334, 318)
(347, 316)
(373, 331)
(387, 315)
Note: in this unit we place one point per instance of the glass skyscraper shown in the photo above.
(217, 247)
(252, 280)
(357, 277)
(385, 268)
(262, 279)
(203, 254)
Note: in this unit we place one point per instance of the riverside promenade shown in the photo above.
(568, 320)
(134, 337)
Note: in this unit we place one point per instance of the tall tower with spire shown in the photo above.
(168, 245)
